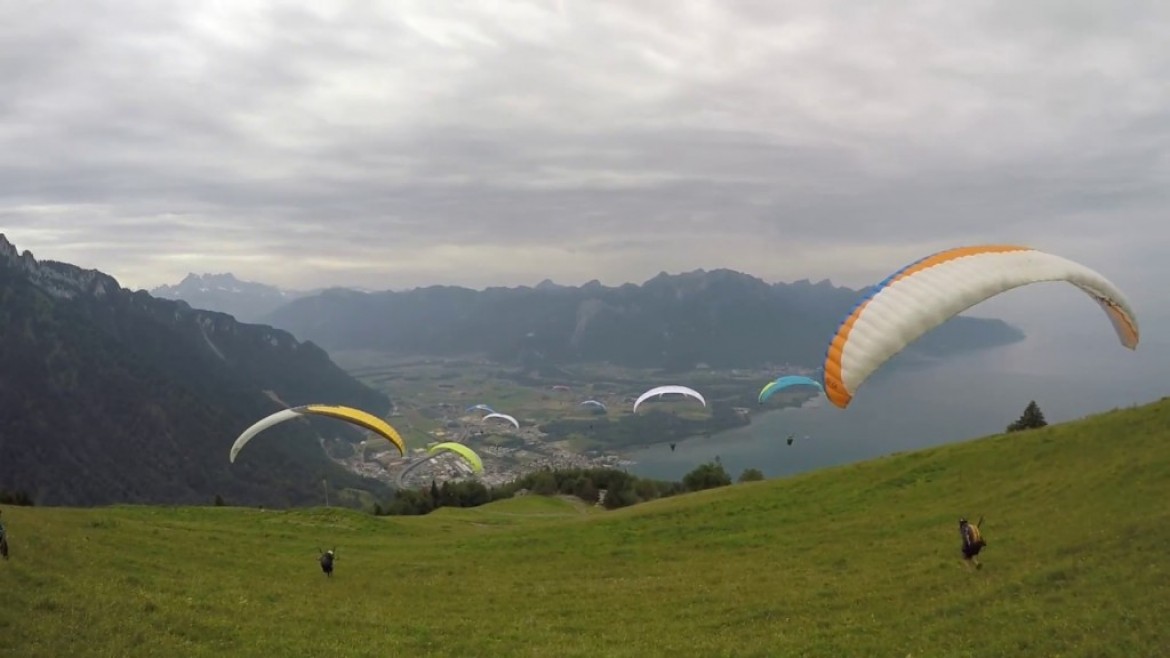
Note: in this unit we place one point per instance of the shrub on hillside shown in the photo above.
(707, 476)
(751, 475)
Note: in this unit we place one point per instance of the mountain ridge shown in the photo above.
(720, 318)
(114, 396)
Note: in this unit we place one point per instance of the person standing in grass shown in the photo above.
(3, 541)
(327, 562)
(972, 541)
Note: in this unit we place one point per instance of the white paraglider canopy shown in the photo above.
(506, 417)
(664, 390)
(932, 290)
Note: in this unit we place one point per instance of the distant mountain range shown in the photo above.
(113, 396)
(720, 318)
(246, 301)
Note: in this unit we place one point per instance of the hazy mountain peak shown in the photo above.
(224, 292)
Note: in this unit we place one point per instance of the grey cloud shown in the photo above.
(394, 145)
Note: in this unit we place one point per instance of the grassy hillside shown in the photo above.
(857, 560)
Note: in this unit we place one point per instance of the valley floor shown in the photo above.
(432, 395)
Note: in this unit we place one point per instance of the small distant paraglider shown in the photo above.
(661, 391)
(469, 456)
(501, 416)
(787, 381)
(792, 437)
(480, 407)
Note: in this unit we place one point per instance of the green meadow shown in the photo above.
(860, 560)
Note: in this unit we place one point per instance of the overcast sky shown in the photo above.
(393, 144)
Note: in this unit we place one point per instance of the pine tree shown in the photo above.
(1032, 418)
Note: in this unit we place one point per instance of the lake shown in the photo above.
(1071, 365)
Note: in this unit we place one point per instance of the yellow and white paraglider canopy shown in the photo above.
(348, 414)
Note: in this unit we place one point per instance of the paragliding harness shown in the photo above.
(326, 559)
(972, 538)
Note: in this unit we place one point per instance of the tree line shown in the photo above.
(620, 488)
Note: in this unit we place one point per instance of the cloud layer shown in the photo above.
(404, 143)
